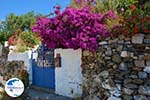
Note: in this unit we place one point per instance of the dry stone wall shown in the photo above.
(11, 69)
(119, 70)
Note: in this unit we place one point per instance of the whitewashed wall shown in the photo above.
(26, 57)
(1, 47)
(68, 78)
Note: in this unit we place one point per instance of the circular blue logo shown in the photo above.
(14, 87)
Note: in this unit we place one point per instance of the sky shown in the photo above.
(23, 6)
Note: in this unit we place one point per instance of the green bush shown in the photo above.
(29, 39)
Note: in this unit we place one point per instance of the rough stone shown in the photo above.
(118, 81)
(141, 57)
(103, 43)
(139, 63)
(116, 93)
(147, 82)
(114, 66)
(108, 84)
(123, 67)
(121, 41)
(123, 72)
(113, 50)
(127, 81)
(147, 41)
(124, 54)
(86, 53)
(145, 90)
(137, 69)
(127, 97)
(97, 79)
(147, 48)
(108, 52)
(130, 65)
(119, 48)
(107, 58)
(121, 37)
(104, 74)
(140, 97)
(127, 91)
(142, 74)
(147, 63)
(118, 86)
(147, 57)
(113, 98)
(1, 90)
(113, 41)
(105, 47)
(116, 58)
(92, 90)
(148, 97)
(127, 39)
(91, 97)
(133, 76)
(127, 59)
(131, 54)
(95, 98)
(135, 57)
(127, 42)
(138, 38)
(147, 69)
(106, 93)
(137, 81)
(147, 36)
(131, 86)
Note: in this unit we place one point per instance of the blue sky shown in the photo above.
(23, 6)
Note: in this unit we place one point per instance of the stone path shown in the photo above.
(34, 94)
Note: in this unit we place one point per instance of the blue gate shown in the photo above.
(43, 70)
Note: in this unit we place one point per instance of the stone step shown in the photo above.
(42, 89)
(39, 93)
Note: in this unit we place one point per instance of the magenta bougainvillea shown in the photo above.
(73, 28)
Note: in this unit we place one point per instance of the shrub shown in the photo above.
(23, 40)
(73, 28)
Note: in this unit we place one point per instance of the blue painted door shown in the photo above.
(43, 70)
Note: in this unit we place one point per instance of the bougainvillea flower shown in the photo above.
(142, 20)
(120, 21)
(57, 11)
(122, 9)
(125, 31)
(133, 17)
(73, 28)
(147, 18)
(57, 7)
(136, 30)
(132, 7)
(145, 30)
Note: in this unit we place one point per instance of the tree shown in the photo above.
(17, 23)
(23, 22)
(4, 32)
